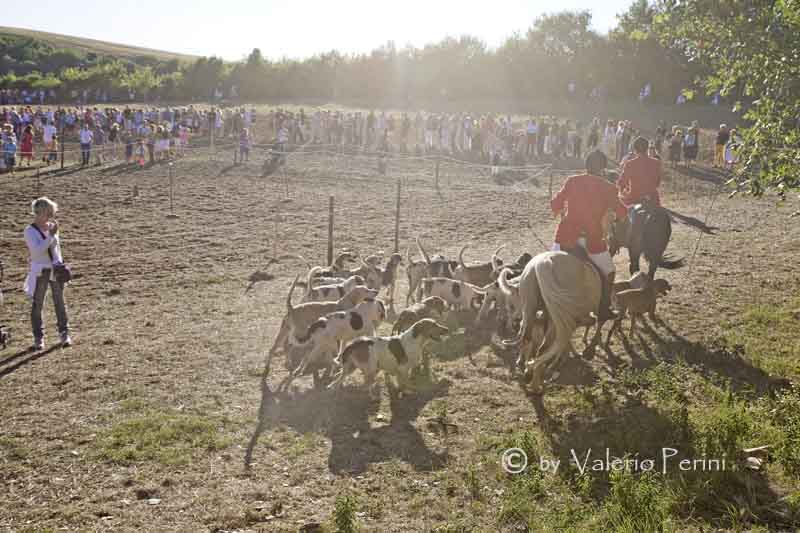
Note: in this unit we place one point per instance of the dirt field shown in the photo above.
(146, 424)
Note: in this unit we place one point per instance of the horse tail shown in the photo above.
(655, 238)
(562, 305)
(530, 299)
(559, 301)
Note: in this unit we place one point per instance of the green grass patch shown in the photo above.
(166, 437)
(12, 450)
(768, 335)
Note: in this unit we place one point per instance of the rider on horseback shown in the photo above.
(638, 185)
(589, 198)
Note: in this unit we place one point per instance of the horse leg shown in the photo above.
(633, 254)
(560, 343)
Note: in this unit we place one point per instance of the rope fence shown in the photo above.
(406, 182)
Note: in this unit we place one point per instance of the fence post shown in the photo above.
(330, 230)
(38, 183)
(171, 192)
(550, 187)
(63, 141)
(397, 221)
(437, 172)
(234, 155)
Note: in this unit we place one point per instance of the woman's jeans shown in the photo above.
(86, 152)
(57, 291)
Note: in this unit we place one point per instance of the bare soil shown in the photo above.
(160, 316)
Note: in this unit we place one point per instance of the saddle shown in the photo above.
(580, 252)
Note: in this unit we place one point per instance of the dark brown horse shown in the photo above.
(648, 235)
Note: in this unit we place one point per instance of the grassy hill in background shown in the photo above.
(89, 46)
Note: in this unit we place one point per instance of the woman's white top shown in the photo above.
(40, 259)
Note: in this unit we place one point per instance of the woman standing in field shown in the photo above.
(113, 139)
(44, 246)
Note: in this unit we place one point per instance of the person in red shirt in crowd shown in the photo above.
(26, 145)
(588, 198)
(638, 184)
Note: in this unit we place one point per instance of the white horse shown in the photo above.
(566, 289)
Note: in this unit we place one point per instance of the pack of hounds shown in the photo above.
(332, 331)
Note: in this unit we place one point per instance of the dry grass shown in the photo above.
(166, 365)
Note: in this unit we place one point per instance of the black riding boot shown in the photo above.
(605, 312)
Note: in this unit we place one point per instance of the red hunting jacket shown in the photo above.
(587, 199)
(640, 177)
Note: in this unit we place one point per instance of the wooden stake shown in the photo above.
(330, 230)
(171, 192)
(397, 221)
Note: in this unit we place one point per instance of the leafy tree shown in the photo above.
(752, 53)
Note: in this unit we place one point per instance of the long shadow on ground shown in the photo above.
(343, 417)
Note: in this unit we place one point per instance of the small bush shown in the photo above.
(344, 514)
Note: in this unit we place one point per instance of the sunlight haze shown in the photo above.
(293, 29)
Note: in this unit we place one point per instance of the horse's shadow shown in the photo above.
(658, 341)
(702, 174)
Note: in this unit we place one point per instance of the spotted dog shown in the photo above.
(397, 355)
(321, 342)
(480, 274)
(432, 307)
(460, 295)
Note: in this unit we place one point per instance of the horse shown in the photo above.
(649, 236)
(567, 289)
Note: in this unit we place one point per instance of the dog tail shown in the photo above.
(289, 307)
(422, 251)
(461, 257)
(505, 286)
(496, 261)
(309, 280)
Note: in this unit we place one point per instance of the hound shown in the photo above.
(480, 274)
(339, 264)
(638, 302)
(325, 335)
(397, 355)
(432, 307)
(417, 270)
(389, 274)
(517, 266)
(459, 294)
(505, 294)
(329, 293)
(299, 318)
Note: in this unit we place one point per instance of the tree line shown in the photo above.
(746, 52)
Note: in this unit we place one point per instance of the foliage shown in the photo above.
(751, 51)
(344, 514)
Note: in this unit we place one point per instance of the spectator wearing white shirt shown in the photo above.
(44, 246)
(48, 136)
(86, 136)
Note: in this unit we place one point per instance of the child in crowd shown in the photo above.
(244, 145)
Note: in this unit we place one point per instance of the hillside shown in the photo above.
(93, 46)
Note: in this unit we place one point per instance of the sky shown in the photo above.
(292, 28)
